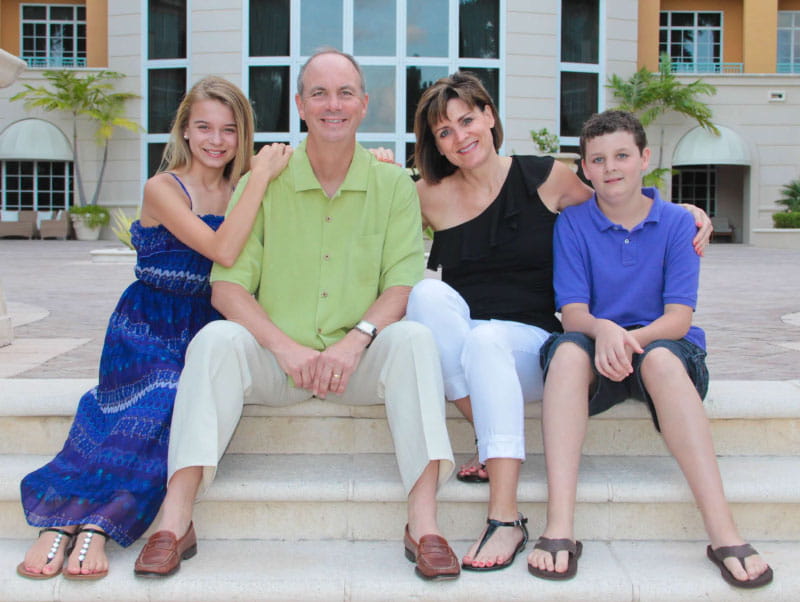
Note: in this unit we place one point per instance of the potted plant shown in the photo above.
(549, 144)
(791, 200)
(88, 220)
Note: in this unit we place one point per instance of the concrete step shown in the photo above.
(748, 418)
(255, 571)
(359, 497)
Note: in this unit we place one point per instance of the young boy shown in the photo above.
(626, 277)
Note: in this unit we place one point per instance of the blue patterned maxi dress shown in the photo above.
(112, 469)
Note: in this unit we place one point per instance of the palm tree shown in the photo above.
(92, 97)
(649, 95)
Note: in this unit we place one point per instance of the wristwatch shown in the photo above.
(369, 329)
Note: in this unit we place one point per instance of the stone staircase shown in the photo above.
(308, 506)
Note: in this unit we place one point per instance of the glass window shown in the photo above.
(693, 40)
(321, 24)
(578, 101)
(374, 27)
(788, 41)
(270, 95)
(53, 35)
(166, 29)
(696, 185)
(165, 89)
(427, 27)
(155, 151)
(418, 79)
(382, 99)
(479, 29)
(580, 36)
(580, 67)
(402, 46)
(269, 27)
(39, 185)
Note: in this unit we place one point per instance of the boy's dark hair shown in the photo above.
(609, 122)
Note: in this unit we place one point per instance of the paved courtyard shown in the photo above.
(60, 301)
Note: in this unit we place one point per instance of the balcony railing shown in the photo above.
(788, 67)
(49, 62)
(708, 67)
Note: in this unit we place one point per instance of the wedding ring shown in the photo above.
(337, 376)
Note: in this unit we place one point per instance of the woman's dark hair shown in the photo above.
(432, 108)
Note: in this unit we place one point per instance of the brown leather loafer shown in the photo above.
(433, 555)
(163, 552)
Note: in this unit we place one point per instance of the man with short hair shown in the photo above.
(314, 306)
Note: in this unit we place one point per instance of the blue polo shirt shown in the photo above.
(627, 276)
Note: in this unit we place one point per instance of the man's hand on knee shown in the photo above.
(336, 365)
(299, 362)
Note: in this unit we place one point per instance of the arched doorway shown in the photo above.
(35, 168)
(711, 173)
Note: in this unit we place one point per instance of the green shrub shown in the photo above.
(791, 196)
(787, 219)
(93, 216)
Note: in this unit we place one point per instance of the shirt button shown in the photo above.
(627, 241)
(328, 218)
(324, 294)
(326, 257)
(319, 331)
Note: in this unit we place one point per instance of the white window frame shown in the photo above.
(695, 29)
(67, 191)
(50, 61)
(398, 138)
(598, 68)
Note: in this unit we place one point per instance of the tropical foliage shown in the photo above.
(648, 95)
(791, 196)
(90, 96)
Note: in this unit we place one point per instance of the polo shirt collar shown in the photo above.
(304, 178)
(602, 223)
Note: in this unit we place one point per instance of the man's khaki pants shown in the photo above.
(227, 368)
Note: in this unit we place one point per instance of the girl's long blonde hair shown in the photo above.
(177, 153)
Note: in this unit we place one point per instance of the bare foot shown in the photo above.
(545, 561)
(754, 566)
(501, 547)
(473, 470)
(44, 557)
(89, 556)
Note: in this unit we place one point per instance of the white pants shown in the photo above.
(226, 368)
(494, 362)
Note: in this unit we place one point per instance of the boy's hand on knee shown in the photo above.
(614, 349)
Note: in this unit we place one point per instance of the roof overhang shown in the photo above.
(34, 140)
(701, 147)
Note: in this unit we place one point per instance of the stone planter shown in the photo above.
(82, 231)
(568, 159)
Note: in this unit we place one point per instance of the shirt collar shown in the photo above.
(304, 178)
(603, 223)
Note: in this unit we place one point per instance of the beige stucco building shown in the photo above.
(546, 62)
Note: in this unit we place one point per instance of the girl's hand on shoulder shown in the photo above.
(271, 160)
(385, 155)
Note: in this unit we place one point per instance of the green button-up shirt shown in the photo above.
(316, 264)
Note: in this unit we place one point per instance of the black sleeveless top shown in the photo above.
(501, 261)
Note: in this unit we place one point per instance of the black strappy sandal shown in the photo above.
(490, 529)
(60, 535)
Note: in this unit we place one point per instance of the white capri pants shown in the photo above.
(494, 362)
(226, 367)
